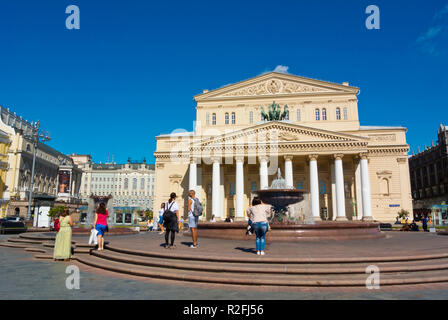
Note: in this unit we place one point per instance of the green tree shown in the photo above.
(403, 214)
(56, 211)
(149, 214)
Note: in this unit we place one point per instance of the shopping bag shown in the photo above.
(93, 237)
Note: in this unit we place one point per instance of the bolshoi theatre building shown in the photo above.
(308, 130)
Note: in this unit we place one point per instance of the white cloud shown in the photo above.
(281, 69)
(430, 34)
(429, 40)
(441, 13)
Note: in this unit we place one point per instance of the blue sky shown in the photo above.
(131, 71)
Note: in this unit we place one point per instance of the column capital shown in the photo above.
(338, 156)
(216, 159)
(363, 156)
(313, 157)
(263, 158)
(288, 157)
(194, 160)
(239, 159)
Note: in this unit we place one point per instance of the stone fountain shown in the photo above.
(289, 205)
(291, 220)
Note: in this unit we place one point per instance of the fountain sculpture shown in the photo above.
(289, 205)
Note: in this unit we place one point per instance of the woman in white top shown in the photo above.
(161, 211)
(258, 214)
(170, 221)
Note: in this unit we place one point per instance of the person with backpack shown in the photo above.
(194, 212)
(170, 221)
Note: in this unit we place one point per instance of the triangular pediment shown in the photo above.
(281, 132)
(276, 84)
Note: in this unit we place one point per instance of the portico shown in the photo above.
(348, 172)
(237, 194)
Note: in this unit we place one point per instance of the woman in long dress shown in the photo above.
(63, 243)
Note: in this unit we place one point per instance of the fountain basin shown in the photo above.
(280, 199)
(320, 231)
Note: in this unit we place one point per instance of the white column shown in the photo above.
(264, 184)
(365, 181)
(192, 176)
(340, 196)
(216, 177)
(239, 189)
(288, 172)
(358, 190)
(333, 194)
(314, 187)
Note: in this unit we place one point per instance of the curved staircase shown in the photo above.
(248, 271)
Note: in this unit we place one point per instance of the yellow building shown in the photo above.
(4, 145)
(349, 171)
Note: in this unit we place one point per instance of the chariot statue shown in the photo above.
(275, 113)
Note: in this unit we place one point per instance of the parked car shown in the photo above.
(12, 224)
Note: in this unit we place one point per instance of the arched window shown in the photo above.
(214, 119)
(251, 117)
(207, 118)
(317, 112)
(384, 186)
(338, 114)
(324, 114)
(233, 118)
(345, 113)
(226, 118)
(298, 115)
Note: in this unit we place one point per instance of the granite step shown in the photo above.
(251, 258)
(347, 268)
(18, 240)
(277, 280)
(12, 245)
(35, 250)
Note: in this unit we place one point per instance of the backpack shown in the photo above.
(170, 218)
(197, 211)
(57, 225)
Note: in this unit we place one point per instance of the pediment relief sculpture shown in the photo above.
(274, 87)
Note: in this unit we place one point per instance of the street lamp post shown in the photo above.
(35, 136)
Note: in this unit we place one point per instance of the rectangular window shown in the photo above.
(214, 119)
(253, 186)
(207, 118)
(298, 115)
(232, 189)
(345, 113)
(251, 117)
(300, 185)
(323, 187)
(233, 118)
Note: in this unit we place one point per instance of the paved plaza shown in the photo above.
(24, 277)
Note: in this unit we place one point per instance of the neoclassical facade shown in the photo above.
(350, 172)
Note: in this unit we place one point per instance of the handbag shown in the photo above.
(93, 236)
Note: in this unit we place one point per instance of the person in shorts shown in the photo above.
(192, 220)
